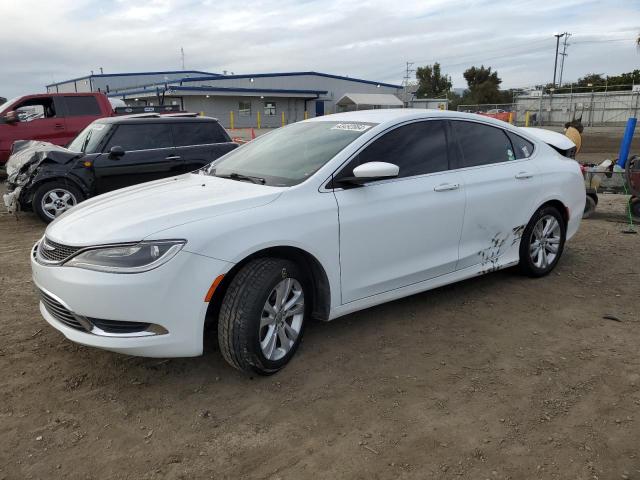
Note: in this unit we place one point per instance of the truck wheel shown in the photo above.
(52, 199)
(263, 314)
(542, 242)
(589, 207)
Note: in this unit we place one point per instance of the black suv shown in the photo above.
(110, 153)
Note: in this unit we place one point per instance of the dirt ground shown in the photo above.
(499, 377)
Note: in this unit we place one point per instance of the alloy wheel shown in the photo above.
(545, 241)
(281, 320)
(57, 201)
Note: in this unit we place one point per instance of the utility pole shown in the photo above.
(564, 54)
(407, 76)
(555, 63)
(182, 55)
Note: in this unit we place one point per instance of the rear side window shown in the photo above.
(522, 148)
(142, 136)
(78, 106)
(198, 133)
(417, 148)
(482, 144)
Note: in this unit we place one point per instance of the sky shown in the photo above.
(45, 41)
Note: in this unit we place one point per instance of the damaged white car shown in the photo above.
(317, 219)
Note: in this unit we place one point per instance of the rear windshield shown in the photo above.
(91, 139)
(289, 155)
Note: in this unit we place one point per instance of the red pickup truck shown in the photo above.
(52, 117)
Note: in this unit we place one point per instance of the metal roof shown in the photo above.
(131, 74)
(290, 74)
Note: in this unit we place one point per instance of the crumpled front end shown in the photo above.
(23, 164)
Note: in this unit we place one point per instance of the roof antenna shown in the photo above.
(182, 55)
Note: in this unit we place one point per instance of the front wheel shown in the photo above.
(52, 199)
(262, 316)
(542, 242)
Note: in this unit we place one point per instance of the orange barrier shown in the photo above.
(242, 135)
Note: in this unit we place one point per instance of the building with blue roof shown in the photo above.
(241, 101)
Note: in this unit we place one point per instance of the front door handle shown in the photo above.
(524, 175)
(446, 187)
(58, 126)
(173, 157)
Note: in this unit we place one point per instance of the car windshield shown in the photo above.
(289, 155)
(90, 140)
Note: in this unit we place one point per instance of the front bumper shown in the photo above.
(170, 298)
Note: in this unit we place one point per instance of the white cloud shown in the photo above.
(51, 40)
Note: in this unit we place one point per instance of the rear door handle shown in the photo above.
(524, 175)
(58, 126)
(173, 157)
(446, 187)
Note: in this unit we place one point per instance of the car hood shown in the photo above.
(134, 213)
(29, 154)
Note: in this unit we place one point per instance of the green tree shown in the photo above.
(431, 82)
(2, 100)
(484, 85)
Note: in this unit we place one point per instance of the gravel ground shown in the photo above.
(498, 377)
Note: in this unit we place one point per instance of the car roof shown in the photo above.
(398, 115)
(142, 118)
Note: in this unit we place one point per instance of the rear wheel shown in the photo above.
(542, 242)
(262, 316)
(52, 199)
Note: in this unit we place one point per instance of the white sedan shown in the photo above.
(314, 220)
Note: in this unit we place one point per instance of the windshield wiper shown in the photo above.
(241, 177)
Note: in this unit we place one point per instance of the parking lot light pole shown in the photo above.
(555, 63)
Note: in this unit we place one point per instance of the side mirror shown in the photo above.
(12, 117)
(116, 152)
(370, 171)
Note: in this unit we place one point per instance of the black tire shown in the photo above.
(46, 189)
(634, 206)
(239, 322)
(527, 264)
(589, 207)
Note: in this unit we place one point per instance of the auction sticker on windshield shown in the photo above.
(353, 127)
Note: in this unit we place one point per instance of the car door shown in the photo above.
(40, 118)
(404, 230)
(149, 155)
(198, 142)
(502, 183)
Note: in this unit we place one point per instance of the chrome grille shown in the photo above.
(55, 252)
(60, 312)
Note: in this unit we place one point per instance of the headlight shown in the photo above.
(133, 258)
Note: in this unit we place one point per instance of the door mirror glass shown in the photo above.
(374, 170)
(116, 152)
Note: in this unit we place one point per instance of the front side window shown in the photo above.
(142, 136)
(35, 108)
(81, 106)
(482, 144)
(289, 155)
(417, 149)
(270, 109)
(244, 109)
(197, 133)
